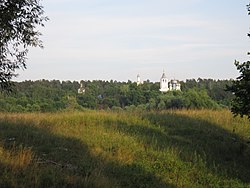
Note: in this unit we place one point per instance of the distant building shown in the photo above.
(139, 82)
(165, 85)
(174, 85)
(81, 90)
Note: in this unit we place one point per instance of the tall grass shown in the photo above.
(181, 148)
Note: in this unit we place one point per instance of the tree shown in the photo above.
(198, 99)
(241, 90)
(241, 87)
(18, 22)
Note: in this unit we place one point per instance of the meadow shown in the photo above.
(176, 148)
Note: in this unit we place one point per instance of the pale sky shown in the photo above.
(118, 39)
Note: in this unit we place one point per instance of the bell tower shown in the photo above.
(138, 80)
(164, 83)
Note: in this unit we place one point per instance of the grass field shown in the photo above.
(186, 148)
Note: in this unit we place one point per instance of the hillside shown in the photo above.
(195, 148)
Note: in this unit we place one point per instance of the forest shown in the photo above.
(55, 95)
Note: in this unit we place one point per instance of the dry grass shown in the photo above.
(183, 148)
(17, 158)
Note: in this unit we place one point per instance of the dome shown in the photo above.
(174, 81)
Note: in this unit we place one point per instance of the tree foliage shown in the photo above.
(55, 95)
(241, 87)
(241, 90)
(18, 31)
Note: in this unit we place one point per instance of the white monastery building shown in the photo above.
(139, 82)
(165, 85)
(172, 85)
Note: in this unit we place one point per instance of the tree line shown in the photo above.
(55, 95)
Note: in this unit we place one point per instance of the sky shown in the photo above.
(118, 39)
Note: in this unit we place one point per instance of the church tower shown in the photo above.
(139, 80)
(164, 83)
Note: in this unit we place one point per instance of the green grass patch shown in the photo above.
(183, 148)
